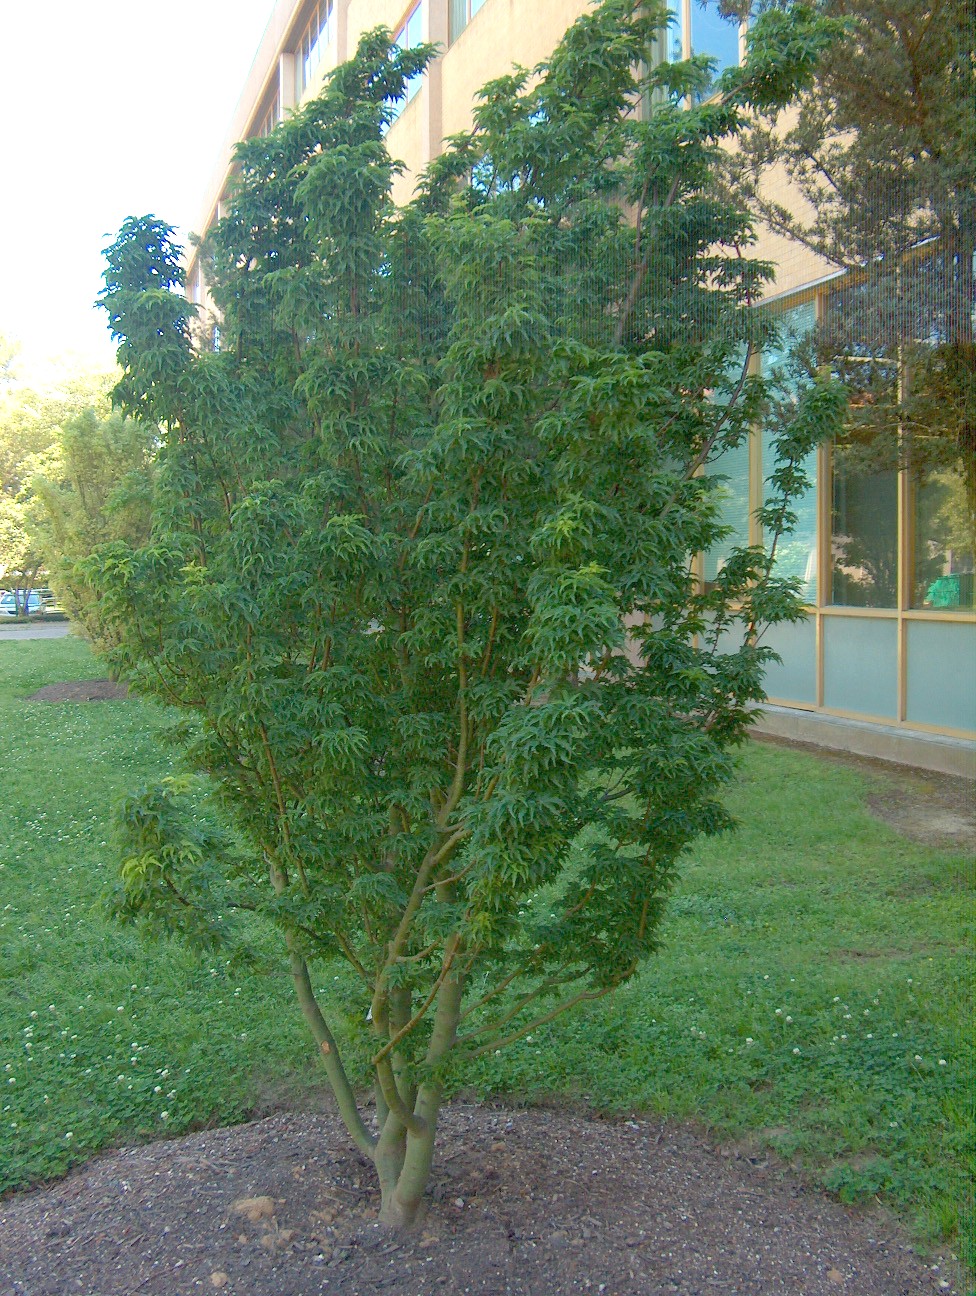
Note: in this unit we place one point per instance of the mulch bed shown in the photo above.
(524, 1203)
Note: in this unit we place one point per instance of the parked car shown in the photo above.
(13, 603)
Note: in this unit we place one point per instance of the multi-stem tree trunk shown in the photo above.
(407, 1111)
(404, 1151)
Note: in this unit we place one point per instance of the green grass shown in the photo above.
(813, 993)
(103, 1037)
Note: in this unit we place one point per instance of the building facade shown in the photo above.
(884, 662)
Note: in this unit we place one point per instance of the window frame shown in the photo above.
(315, 37)
(460, 15)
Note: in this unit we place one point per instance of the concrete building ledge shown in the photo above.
(955, 756)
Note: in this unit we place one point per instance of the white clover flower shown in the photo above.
(796, 1050)
(69, 1134)
(164, 1115)
(779, 1012)
(918, 1057)
(790, 1020)
(943, 1062)
(749, 1039)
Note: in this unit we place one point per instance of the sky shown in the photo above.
(110, 108)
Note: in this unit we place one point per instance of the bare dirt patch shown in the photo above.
(928, 807)
(101, 690)
(524, 1203)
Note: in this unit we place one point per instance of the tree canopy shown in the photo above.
(422, 569)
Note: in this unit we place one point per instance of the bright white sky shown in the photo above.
(110, 108)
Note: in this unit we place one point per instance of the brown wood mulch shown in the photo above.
(524, 1203)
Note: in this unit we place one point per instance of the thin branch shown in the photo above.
(550, 983)
(583, 997)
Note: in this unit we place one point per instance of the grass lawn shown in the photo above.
(813, 993)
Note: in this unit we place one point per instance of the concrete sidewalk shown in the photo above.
(37, 630)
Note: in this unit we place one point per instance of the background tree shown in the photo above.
(98, 491)
(401, 519)
(882, 151)
(31, 422)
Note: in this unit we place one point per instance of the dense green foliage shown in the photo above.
(817, 915)
(97, 492)
(32, 421)
(421, 572)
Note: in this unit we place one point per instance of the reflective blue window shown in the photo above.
(701, 29)
(408, 37)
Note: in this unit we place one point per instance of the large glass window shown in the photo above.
(410, 35)
(863, 533)
(462, 11)
(944, 540)
(796, 553)
(732, 467)
(313, 43)
(700, 28)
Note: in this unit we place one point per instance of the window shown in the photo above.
(462, 11)
(863, 533)
(944, 541)
(410, 35)
(312, 44)
(701, 29)
(198, 288)
(270, 118)
(796, 553)
(732, 468)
